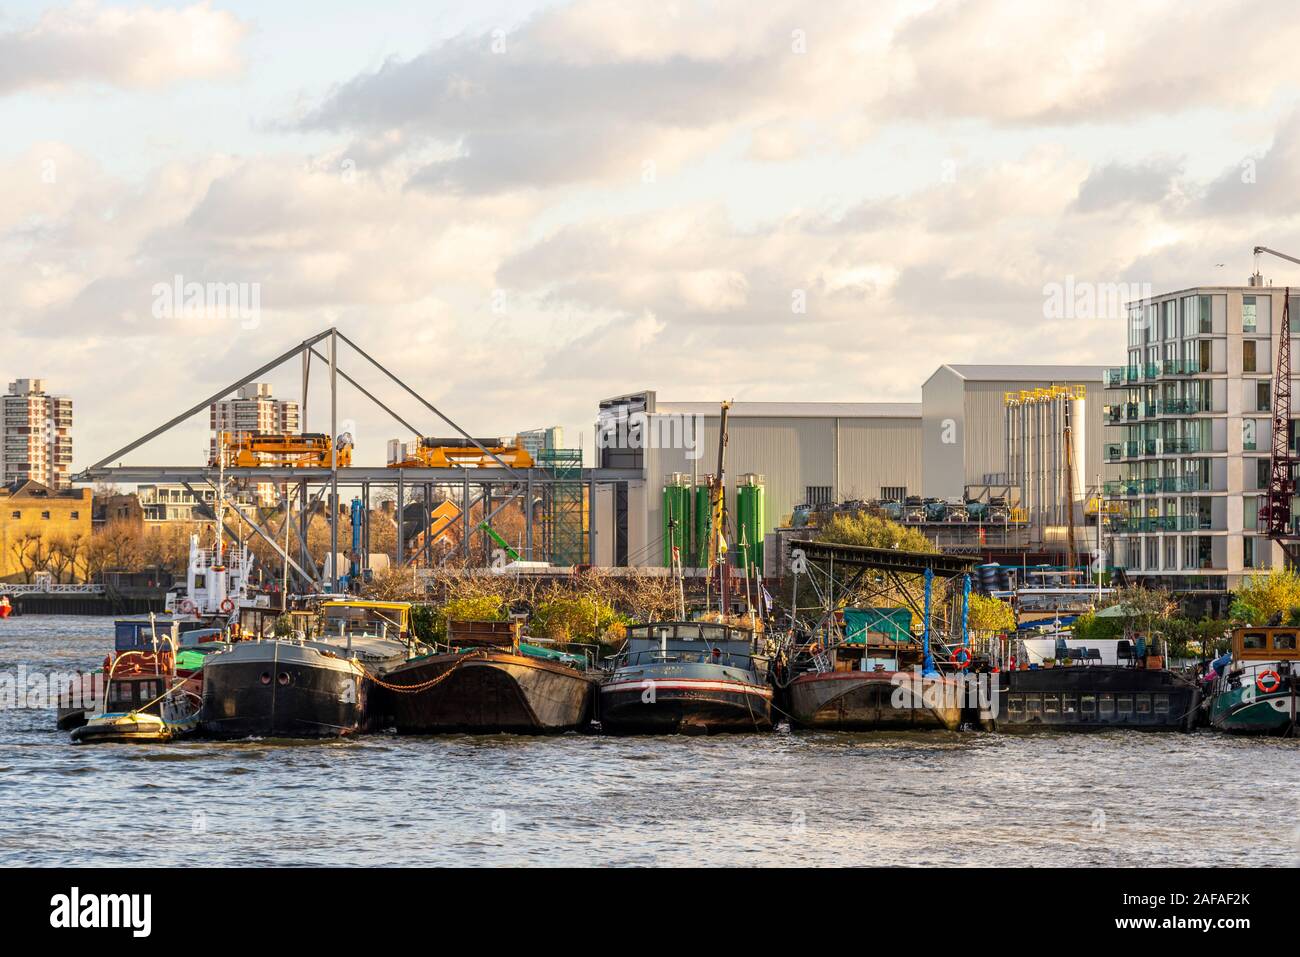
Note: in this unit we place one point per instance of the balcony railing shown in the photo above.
(1180, 407)
(1162, 523)
(1181, 366)
(1114, 378)
(1182, 446)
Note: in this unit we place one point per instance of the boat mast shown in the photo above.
(717, 543)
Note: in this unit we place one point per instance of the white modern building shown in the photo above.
(1196, 420)
(35, 435)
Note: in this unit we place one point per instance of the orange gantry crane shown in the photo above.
(430, 453)
(247, 450)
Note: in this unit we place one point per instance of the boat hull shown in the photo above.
(1240, 711)
(495, 692)
(281, 690)
(684, 706)
(1096, 698)
(876, 701)
(132, 729)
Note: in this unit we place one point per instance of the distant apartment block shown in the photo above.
(36, 433)
(253, 409)
(1196, 418)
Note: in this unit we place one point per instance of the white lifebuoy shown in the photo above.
(227, 606)
(188, 607)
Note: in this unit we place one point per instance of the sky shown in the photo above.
(522, 208)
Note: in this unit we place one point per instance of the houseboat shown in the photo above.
(316, 683)
(691, 677)
(1257, 689)
(489, 679)
(134, 640)
(146, 695)
(1066, 684)
(876, 677)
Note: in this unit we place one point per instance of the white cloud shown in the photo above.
(129, 48)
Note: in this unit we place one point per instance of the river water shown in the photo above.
(774, 799)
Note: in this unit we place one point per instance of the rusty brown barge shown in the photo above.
(488, 679)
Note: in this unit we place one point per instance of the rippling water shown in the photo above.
(775, 799)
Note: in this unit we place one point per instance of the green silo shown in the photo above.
(750, 527)
(702, 513)
(677, 519)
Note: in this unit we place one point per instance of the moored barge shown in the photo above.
(689, 677)
(489, 680)
(307, 686)
(1106, 685)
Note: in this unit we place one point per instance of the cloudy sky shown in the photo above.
(524, 207)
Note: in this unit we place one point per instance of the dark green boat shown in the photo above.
(1257, 691)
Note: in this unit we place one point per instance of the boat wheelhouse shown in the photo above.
(1257, 691)
(693, 677)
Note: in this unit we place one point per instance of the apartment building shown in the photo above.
(253, 409)
(35, 435)
(1195, 417)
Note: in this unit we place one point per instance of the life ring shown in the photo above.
(227, 606)
(961, 658)
(1273, 684)
(188, 607)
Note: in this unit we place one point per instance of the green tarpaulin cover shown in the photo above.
(895, 623)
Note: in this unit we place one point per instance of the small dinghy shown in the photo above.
(134, 726)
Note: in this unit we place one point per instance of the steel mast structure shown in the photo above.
(490, 489)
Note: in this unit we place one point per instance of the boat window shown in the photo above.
(1106, 705)
(1284, 641)
(121, 691)
(666, 631)
(1015, 704)
(1034, 704)
(1069, 703)
(1162, 704)
(1088, 704)
(1052, 703)
(713, 632)
(1143, 702)
(1124, 704)
(1254, 639)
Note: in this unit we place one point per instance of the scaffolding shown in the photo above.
(564, 526)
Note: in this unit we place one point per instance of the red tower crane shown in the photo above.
(1275, 513)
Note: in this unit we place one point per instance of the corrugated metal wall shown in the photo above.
(793, 453)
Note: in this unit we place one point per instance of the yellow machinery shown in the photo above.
(246, 450)
(458, 453)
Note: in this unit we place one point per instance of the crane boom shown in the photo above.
(1274, 252)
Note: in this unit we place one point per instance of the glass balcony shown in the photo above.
(1179, 407)
(1133, 374)
(1151, 370)
(1181, 367)
(1114, 378)
(1182, 446)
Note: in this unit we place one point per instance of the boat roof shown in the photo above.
(359, 603)
(888, 559)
